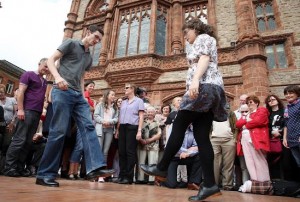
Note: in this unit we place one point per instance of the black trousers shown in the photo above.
(202, 122)
(22, 140)
(127, 150)
(193, 167)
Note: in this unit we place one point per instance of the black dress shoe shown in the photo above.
(12, 173)
(206, 192)
(117, 180)
(25, 173)
(125, 181)
(153, 170)
(47, 182)
(99, 173)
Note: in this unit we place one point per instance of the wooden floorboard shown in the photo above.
(24, 189)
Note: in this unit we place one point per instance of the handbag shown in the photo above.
(275, 145)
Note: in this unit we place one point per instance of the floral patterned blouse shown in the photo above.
(203, 45)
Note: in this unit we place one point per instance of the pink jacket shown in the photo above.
(258, 128)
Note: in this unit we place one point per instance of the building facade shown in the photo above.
(258, 44)
(9, 76)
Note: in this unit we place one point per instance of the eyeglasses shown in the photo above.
(244, 112)
(272, 99)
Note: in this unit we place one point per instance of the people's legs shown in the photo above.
(228, 153)
(78, 149)
(217, 158)
(182, 173)
(181, 122)
(202, 126)
(245, 172)
(141, 157)
(152, 159)
(38, 153)
(76, 156)
(94, 158)
(171, 181)
(63, 102)
(255, 160)
(108, 134)
(194, 169)
(122, 150)
(22, 140)
(131, 147)
(296, 154)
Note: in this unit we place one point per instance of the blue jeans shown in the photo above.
(66, 104)
(78, 149)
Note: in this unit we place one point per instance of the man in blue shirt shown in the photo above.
(187, 155)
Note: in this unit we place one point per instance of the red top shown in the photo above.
(87, 96)
(258, 128)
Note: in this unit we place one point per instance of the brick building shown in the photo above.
(9, 76)
(258, 44)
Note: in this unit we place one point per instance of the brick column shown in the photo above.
(176, 27)
(153, 26)
(107, 34)
(72, 17)
(250, 52)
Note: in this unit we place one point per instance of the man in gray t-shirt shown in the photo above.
(68, 101)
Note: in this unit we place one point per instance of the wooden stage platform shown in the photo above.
(25, 189)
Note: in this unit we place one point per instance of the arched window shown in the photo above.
(265, 16)
(134, 31)
(161, 31)
(96, 54)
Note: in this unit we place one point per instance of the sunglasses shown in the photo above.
(244, 112)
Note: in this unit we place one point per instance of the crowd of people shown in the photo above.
(196, 142)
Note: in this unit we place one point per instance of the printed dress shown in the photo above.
(211, 88)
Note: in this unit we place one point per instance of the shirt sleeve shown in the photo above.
(141, 105)
(66, 46)
(25, 78)
(203, 44)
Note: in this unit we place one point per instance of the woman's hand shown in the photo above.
(194, 89)
(117, 134)
(10, 127)
(284, 142)
(139, 135)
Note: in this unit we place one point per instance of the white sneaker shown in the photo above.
(101, 180)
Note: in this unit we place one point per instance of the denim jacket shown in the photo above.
(99, 115)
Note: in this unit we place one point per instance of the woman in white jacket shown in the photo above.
(106, 116)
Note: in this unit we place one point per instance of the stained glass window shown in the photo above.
(265, 16)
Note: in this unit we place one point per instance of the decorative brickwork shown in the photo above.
(241, 53)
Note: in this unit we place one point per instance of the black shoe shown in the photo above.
(99, 173)
(12, 173)
(47, 182)
(206, 192)
(140, 182)
(64, 174)
(125, 181)
(25, 173)
(116, 180)
(153, 170)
